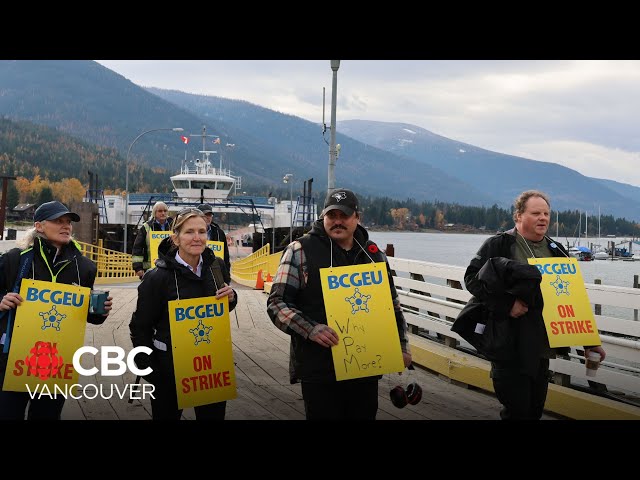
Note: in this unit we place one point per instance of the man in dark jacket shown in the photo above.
(141, 253)
(56, 258)
(522, 380)
(296, 306)
(214, 232)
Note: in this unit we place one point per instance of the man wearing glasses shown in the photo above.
(141, 253)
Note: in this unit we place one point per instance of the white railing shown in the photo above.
(433, 294)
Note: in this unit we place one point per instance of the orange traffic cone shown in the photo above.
(269, 279)
(259, 281)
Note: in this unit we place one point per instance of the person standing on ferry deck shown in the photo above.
(296, 306)
(141, 252)
(214, 232)
(521, 383)
(57, 258)
(185, 269)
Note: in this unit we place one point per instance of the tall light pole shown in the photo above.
(126, 179)
(331, 177)
(288, 178)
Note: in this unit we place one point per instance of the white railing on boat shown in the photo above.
(433, 294)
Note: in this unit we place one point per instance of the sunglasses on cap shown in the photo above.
(188, 210)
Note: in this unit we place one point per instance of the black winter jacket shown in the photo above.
(528, 331)
(70, 268)
(488, 326)
(158, 287)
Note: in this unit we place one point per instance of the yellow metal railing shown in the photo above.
(245, 271)
(113, 266)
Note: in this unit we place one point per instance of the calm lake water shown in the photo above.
(459, 248)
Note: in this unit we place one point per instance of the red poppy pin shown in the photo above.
(373, 248)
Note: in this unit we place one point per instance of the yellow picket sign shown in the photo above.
(567, 313)
(202, 352)
(156, 237)
(49, 328)
(217, 247)
(359, 308)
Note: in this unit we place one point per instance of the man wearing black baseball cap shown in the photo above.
(214, 232)
(296, 306)
(47, 253)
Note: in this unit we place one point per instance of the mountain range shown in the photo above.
(98, 106)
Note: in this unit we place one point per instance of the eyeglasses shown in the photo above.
(187, 210)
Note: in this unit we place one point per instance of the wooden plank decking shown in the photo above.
(261, 353)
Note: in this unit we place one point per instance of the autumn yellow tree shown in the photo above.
(400, 216)
(68, 190)
(439, 219)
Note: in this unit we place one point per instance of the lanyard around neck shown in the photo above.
(46, 262)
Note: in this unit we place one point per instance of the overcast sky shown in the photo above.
(581, 114)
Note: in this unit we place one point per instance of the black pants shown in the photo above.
(522, 396)
(13, 405)
(165, 404)
(346, 400)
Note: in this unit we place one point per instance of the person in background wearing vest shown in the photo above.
(141, 253)
(521, 382)
(56, 258)
(296, 306)
(214, 232)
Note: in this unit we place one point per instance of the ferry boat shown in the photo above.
(198, 181)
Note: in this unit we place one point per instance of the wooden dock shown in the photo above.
(261, 353)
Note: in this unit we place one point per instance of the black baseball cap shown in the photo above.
(53, 210)
(205, 208)
(341, 199)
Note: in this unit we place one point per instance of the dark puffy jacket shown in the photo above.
(504, 245)
(70, 268)
(488, 326)
(158, 287)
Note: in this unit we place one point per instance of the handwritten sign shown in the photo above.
(359, 308)
(49, 328)
(202, 351)
(567, 313)
(154, 242)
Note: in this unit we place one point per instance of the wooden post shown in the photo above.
(390, 250)
(635, 285)
(598, 307)
(3, 203)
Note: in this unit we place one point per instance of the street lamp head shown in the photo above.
(178, 129)
(287, 177)
(335, 65)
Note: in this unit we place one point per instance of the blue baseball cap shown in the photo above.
(53, 210)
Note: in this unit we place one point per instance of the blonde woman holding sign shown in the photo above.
(186, 270)
(47, 253)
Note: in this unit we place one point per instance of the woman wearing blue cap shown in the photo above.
(48, 253)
